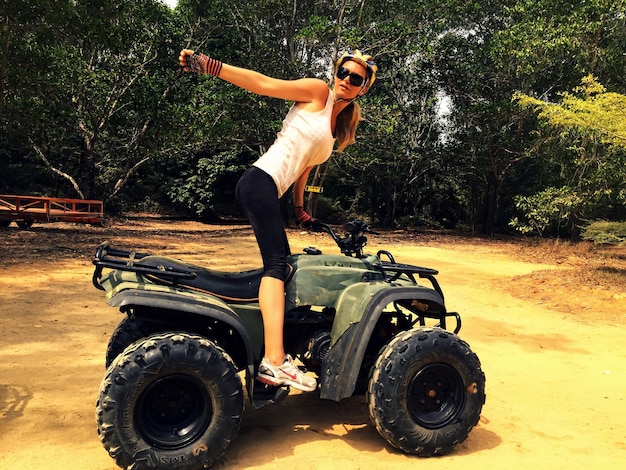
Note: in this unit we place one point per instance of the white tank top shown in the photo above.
(305, 140)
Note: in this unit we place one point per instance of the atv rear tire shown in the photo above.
(128, 331)
(426, 391)
(170, 401)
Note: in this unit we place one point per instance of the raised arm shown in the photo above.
(304, 90)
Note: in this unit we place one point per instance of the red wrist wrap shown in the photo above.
(301, 215)
(202, 63)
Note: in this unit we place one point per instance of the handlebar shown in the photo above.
(354, 241)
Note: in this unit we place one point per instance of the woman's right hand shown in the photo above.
(303, 217)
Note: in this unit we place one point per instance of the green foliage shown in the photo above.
(590, 111)
(206, 189)
(589, 126)
(538, 46)
(550, 209)
(92, 103)
(603, 232)
(88, 107)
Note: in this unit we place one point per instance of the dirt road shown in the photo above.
(554, 357)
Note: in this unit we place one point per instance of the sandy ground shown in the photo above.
(553, 351)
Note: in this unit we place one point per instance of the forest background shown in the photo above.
(487, 116)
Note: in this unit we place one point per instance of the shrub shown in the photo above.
(603, 232)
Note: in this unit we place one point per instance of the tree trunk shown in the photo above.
(491, 205)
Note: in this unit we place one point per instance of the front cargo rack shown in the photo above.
(393, 271)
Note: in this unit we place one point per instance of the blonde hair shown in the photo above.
(347, 122)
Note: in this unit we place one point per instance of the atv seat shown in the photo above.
(230, 287)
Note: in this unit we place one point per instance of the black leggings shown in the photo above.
(257, 193)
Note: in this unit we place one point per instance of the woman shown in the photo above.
(319, 116)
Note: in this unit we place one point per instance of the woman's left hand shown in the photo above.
(184, 57)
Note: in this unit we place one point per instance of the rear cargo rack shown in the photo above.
(123, 260)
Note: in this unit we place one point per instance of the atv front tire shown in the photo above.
(426, 391)
(170, 401)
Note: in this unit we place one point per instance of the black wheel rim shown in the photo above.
(435, 395)
(173, 411)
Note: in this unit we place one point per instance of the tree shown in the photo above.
(92, 102)
(226, 128)
(590, 111)
(289, 40)
(590, 125)
(87, 107)
(495, 48)
(384, 174)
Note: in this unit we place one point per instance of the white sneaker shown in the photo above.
(285, 374)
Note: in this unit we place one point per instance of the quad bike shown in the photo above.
(172, 396)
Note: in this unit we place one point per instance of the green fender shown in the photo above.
(352, 305)
(353, 329)
(197, 306)
(124, 287)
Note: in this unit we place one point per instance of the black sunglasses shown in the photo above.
(355, 78)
